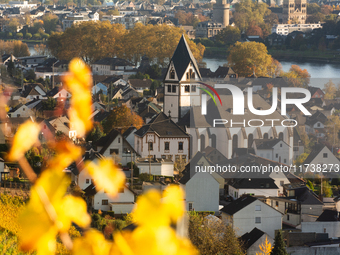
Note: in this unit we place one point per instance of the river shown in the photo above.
(320, 73)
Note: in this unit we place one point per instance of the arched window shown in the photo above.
(172, 74)
(235, 143)
(265, 136)
(250, 140)
(213, 141)
(202, 138)
(281, 136)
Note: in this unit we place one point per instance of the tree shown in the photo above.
(154, 71)
(265, 247)
(279, 245)
(212, 236)
(13, 24)
(313, 8)
(228, 35)
(300, 159)
(122, 117)
(49, 104)
(40, 49)
(330, 90)
(326, 189)
(297, 77)
(254, 30)
(96, 133)
(310, 185)
(248, 12)
(28, 36)
(249, 58)
(114, 12)
(50, 22)
(332, 129)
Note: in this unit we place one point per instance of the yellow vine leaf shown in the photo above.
(106, 175)
(79, 82)
(66, 153)
(154, 234)
(26, 136)
(93, 243)
(49, 212)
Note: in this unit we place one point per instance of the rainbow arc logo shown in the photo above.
(209, 93)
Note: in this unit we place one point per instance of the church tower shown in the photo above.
(180, 82)
(221, 12)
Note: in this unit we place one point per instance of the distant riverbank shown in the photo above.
(327, 56)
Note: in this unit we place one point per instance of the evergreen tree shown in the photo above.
(279, 245)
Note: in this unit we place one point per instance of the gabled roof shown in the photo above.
(328, 215)
(113, 62)
(182, 58)
(250, 238)
(105, 141)
(266, 144)
(187, 174)
(163, 126)
(317, 149)
(138, 83)
(238, 205)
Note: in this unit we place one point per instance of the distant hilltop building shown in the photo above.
(294, 11)
(219, 21)
(285, 29)
(221, 12)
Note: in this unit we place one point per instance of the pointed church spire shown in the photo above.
(182, 58)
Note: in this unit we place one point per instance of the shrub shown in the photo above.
(28, 35)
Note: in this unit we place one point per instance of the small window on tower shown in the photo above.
(169, 88)
(173, 88)
(193, 88)
(187, 88)
(172, 74)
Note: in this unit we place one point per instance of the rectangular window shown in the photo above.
(325, 155)
(284, 160)
(87, 180)
(257, 219)
(190, 206)
(193, 88)
(281, 183)
(257, 207)
(166, 146)
(277, 203)
(114, 151)
(169, 88)
(121, 190)
(173, 88)
(287, 216)
(150, 146)
(118, 139)
(180, 146)
(105, 202)
(277, 155)
(187, 88)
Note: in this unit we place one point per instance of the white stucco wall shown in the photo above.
(203, 191)
(332, 228)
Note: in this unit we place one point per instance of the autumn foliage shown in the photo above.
(122, 118)
(92, 41)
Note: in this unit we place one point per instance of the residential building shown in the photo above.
(247, 213)
(114, 146)
(112, 66)
(201, 188)
(129, 21)
(273, 149)
(254, 239)
(140, 85)
(285, 29)
(76, 18)
(156, 166)
(162, 138)
(208, 29)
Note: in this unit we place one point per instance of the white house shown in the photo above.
(99, 200)
(253, 240)
(156, 166)
(112, 66)
(273, 149)
(162, 138)
(201, 188)
(323, 157)
(246, 213)
(114, 146)
(327, 222)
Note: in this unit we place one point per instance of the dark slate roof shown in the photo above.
(308, 198)
(105, 141)
(206, 72)
(90, 190)
(265, 144)
(182, 58)
(313, 90)
(223, 71)
(163, 126)
(317, 116)
(317, 149)
(128, 131)
(138, 83)
(253, 183)
(250, 238)
(238, 205)
(328, 215)
(100, 116)
(187, 174)
(53, 92)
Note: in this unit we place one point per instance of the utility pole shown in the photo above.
(131, 167)
(53, 75)
(149, 159)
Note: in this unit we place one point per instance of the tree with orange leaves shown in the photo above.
(122, 118)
